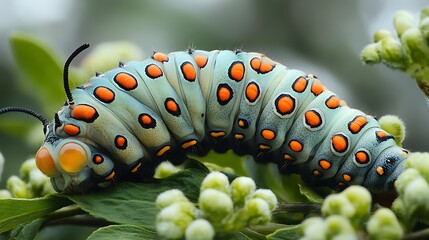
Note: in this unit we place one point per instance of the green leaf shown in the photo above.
(126, 232)
(27, 231)
(311, 195)
(16, 211)
(291, 232)
(42, 68)
(134, 203)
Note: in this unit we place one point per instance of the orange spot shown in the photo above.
(146, 121)
(265, 67)
(71, 129)
(317, 173)
(104, 94)
(381, 134)
(218, 134)
(45, 162)
(264, 147)
(121, 142)
(332, 102)
(252, 92)
(163, 150)
(188, 71)
(172, 107)
(299, 85)
(238, 136)
(126, 81)
(317, 87)
(72, 157)
(295, 145)
(224, 94)
(357, 124)
(324, 164)
(153, 71)
(347, 177)
(312, 118)
(201, 60)
(288, 157)
(110, 176)
(285, 104)
(243, 123)
(268, 134)
(136, 168)
(380, 170)
(236, 71)
(340, 143)
(85, 113)
(189, 143)
(361, 157)
(255, 63)
(160, 57)
(98, 159)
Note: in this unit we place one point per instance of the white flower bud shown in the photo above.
(339, 227)
(405, 178)
(18, 188)
(361, 200)
(416, 196)
(268, 196)
(313, 228)
(403, 21)
(215, 204)
(420, 162)
(382, 34)
(370, 54)
(173, 220)
(37, 180)
(169, 197)
(258, 211)
(26, 167)
(384, 225)
(241, 189)
(5, 194)
(338, 204)
(165, 169)
(200, 229)
(215, 180)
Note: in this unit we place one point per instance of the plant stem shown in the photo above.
(268, 228)
(422, 234)
(73, 215)
(298, 207)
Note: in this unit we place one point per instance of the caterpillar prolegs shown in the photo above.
(141, 112)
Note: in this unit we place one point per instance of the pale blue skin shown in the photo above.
(201, 114)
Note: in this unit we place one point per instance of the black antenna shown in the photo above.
(44, 120)
(66, 71)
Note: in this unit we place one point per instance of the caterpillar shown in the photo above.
(131, 117)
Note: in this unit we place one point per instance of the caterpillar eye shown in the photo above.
(72, 157)
(45, 162)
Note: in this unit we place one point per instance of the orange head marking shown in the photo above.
(45, 162)
(85, 113)
(72, 157)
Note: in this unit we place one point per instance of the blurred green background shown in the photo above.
(321, 37)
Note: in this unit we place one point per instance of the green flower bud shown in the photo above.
(215, 180)
(361, 199)
(406, 178)
(420, 162)
(169, 197)
(384, 225)
(313, 229)
(416, 196)
(339, 227)
(424, 28)
(172, 221)
(241, 189)
(370, 54)
(37, 180)
(268, 196)
(398, 208)
(26, 167)
(338, 204)
(422, 78)
(165, 169)
(258, 211)
(382, 34)
(47, 189)
(18, 188)
(393, 53)
(199, 229)
(403, 21)
(5, 194)
(416, 46)
(395, 126)
(215, 204)
(424, 13)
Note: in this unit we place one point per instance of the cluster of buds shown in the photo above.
(395, 126)
(31, 183)
(347, 213)
(413, 188)
(408, 51)
(222, 208)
